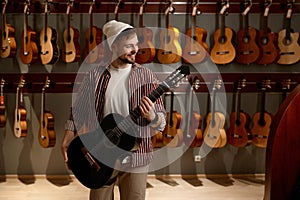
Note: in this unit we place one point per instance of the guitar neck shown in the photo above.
(237, 105)
(288, 29)
(223, 25)
(91, 24)
(262, 108)
(213, 107)
(43, 103)
(246, 25)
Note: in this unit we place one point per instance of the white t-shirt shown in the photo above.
(116, 96)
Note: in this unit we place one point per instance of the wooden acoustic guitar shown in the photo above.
(223, 51)
(29, 50)
(157, 139)
(196, 49)
(71, 46)
(8, 41)
(261, 120)
(20, 124)
(169, 49)
(192, 132)
(172, 134)
(146, 53)
(214, 133)
(289, 49)
(247, 48)
(92, 155)
(48, 41)
(2, 105)
(47, 136)
(267, 40)
(238, 134)
(93, 51)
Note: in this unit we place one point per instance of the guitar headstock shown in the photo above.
(91, 7)
(247, 7)
(26, 7)
(289, 5)
(21, 82)
(267, 6)
(266, 84)
(47, 83)
(170, 8)
(4, 4)
(241, 84)
(70, 4)
(195, 10)
(224, 7)
(143, 3)
(217, 84)
(196, 83)
(286, 84)
(173, 79)
(119, 4)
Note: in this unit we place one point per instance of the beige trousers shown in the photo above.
(132, 186)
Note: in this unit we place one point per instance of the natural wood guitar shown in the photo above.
(93, 51)
(289, 49)
(29, 50)
(196, 49)
(92, 155)
(267, 40)
(47, 136)
(238, 133)
(8, 41)
(71, 46)
(261, 120)
(214, 133)
(193, 132)
(146, 52)
(173, 134)
(169, 49)
(20, 124)
(223, 51)
(2, 105)
(247, 48)
(48, 41)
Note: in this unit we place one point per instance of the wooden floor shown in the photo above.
(159, 188)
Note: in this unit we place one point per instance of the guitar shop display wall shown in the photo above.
(254, 80)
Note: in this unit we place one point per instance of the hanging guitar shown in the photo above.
(71, 46)
(261, 120)
(238, 134)
(90, 161)
(267, 40)
(2, 105)
(93, 51)
(214, 133)
(172, 134)
(48, 41)
(289, 49)
(20, 124)
(29, 50)
(47, 136)
(223, 51)
(247, 48)
(146, 53)
(192, 132)
(169, 49)
(8, 41)
(196, 49)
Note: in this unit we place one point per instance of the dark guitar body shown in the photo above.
(86, 150)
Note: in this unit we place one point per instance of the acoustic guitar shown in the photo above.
(2, 105)
(223, 51)
(238, 134)
(47, 136)
(214, 133)
(261, 120)
(196, 49)
(172, 134)
(48, 41)
(8, 41)
(289, 49)
(267, 40)
(93, 51)
(71, 46)
(20, 124)
(146, 53)
(169, 49)
(91, 156)
(192, 132)
(157, 139)
(29, 50)
(247, 48)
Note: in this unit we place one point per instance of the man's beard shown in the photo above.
(126, 60)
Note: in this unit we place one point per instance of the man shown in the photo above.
(119, 88)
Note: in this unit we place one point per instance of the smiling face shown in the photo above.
(125, 47)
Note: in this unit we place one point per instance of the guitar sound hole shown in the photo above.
(222, 39)
(264, 40)
(238, 122)
(45, 38)
(287, 41)
(246, 39)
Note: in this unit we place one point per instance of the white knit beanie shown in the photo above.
(112, 29)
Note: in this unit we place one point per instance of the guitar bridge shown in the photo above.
(90, 159)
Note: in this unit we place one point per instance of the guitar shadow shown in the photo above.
(163, 176)
(2, 163)
(191, 168)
